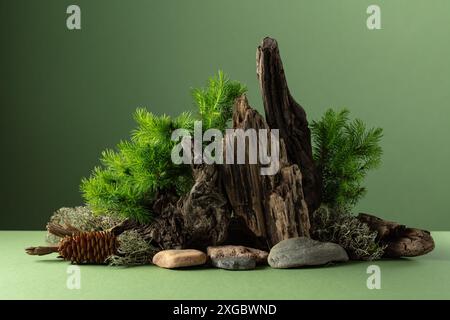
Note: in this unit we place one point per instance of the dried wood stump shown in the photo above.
(271, 206)
(285, 114)
(400, 240)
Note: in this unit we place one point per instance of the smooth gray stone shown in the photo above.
(302, 251)
(234, 263)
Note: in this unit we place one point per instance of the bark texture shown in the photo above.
(195, 221)
(266, 208)
(271, 206)
(285, 114)
(235, 203)
(400, 240)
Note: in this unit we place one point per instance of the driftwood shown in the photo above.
(235, 204)
(206, 211)
(271, 206)
(266, 208)
(195, 221)
(285, 114)
(400, 241)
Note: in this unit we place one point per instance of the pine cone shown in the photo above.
(83, 246)
(88, 247)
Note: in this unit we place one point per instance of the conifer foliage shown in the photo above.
(215, 102)
(344, 151)
(131, 176)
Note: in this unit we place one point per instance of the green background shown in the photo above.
(66, 95)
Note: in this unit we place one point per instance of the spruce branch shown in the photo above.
(344, 151)
(138, 169)
(215, 102)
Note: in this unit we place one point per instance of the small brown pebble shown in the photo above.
(171, 259)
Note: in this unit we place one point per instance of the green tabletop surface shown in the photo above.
(46, 277)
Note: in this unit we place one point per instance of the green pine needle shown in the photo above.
(215, 103)
(139, 168)
(344, 151)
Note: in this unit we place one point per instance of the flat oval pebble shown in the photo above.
(234, 263)
(229, 251)
(302, 251)
(172, 259)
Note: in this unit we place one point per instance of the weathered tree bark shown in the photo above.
(285, 114)
(235, 203)
(267, 209)
(272, 207)
(198, 220)
(206, 211)
(400, 240)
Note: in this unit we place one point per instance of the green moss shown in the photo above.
(333, 225)
(133, 250)
(83, 219)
